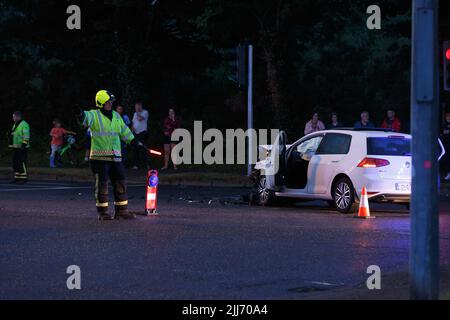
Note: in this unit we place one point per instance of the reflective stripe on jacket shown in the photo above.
(106, 134)
(20, 135)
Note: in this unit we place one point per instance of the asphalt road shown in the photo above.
(204, 245)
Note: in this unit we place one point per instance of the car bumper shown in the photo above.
(384, 190)
(388, 197)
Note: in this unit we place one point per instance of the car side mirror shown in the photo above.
(307, 156)
(297, 156)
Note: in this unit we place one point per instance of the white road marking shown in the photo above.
(56, 188)
(45, 189)
(326, 283)
(66, 183)
(38, 185)
(8, 185)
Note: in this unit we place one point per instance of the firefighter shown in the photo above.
(107, 131)
(19, 142)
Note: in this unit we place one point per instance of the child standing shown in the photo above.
(57, 134)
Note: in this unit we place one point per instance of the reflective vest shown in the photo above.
(106, 135)
(20, 134)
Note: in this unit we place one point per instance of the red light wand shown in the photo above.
(151, 151)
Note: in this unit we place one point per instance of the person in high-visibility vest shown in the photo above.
(19, 142)
(107, 131)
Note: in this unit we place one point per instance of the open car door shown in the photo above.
(441, 149)
(276, 168)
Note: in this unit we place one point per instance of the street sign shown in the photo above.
(423, 55)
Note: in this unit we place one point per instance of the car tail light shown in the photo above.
(373, 163)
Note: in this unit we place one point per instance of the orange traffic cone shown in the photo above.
(364, 211)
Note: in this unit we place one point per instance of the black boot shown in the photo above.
(104, 216)
(121, 201)
(124, 215)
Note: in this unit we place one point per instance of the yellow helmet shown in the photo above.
(103, 97)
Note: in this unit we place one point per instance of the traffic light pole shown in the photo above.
(250, 111)
(424, 251)
(446, 65)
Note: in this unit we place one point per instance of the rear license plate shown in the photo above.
(403, 187)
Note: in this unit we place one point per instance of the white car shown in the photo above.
(334, 165)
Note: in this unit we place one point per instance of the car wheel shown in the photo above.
(264, 196)
(344, 196)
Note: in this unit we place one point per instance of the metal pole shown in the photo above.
(251, 156)
(424, 251)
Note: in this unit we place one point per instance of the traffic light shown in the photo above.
(446, 73)
(236, 59)
(242, 65)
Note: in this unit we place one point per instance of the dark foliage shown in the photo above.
(310, 55)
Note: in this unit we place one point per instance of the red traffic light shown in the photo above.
(447, 54)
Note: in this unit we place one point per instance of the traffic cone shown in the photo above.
(152, 192)
(364, 211)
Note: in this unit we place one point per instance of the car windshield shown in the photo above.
(389, 146)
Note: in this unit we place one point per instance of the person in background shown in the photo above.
(445, 139)
(127, 121)
(171, 123)
(125, 118)
(314, 124)
(365, 121)
(334, 122)
(391, 121)
(140, 130)
(19, 142)
(87, 146)
(57, 134)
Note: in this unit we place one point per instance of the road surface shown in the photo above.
(205, 244)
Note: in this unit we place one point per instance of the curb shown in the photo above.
(165, 180)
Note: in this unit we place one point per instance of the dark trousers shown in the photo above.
(19, 164)
(140, 154)
(114, 171)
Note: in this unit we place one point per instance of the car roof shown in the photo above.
(372, 132)
(352, 131)
(365, 129)
(356, 133)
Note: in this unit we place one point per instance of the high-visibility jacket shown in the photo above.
(20, 135)
(106, 135)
